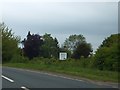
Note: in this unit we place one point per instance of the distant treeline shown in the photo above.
(34, 45)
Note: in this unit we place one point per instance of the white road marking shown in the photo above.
(24, 88)
(7, 78)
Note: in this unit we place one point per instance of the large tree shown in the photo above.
(9, 43)
(78, 46)
(73, 41)
(32, 45)
(50, 46)
(108, 54)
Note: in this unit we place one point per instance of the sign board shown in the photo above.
(62, 56)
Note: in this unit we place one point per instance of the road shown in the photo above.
(27, 79)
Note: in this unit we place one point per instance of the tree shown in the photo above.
(107, 55)
(50, 46)
(73, 41)
(9, 43)
(32, 45)
(83, 49)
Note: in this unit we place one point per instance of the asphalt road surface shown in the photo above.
(26, 79)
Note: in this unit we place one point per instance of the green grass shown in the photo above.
(68, 68)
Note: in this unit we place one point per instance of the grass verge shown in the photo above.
(89, 73)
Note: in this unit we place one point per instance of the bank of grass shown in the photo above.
(71, 67)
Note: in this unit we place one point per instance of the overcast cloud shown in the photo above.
(94, 20)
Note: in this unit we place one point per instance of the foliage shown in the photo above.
(9, 43)
(73, 41)
(45, 50)
(19, 59)
(83, 49)
(77, 46)
(44, 46)
(50, 46)
(107, 55)
(32, 45)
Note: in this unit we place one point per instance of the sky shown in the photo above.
(95, 20)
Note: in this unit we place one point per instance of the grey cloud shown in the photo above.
(94, 20)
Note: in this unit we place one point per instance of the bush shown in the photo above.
(19, 59)
(107, 55)
(46, 61)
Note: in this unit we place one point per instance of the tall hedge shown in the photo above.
(107, 55)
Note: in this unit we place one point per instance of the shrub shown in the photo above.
(107, 55)
(19, 59)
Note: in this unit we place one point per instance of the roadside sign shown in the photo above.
(62, 56)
